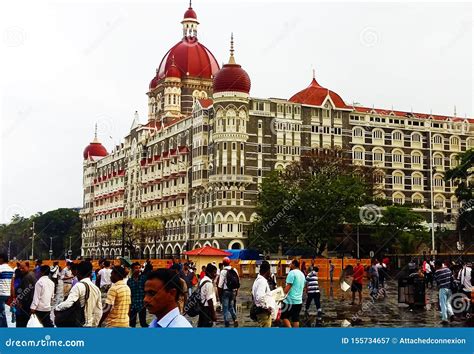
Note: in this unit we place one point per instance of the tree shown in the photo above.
(461, 175)
(400, 229)
(302, 207)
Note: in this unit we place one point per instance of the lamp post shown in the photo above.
(431, 194)
(50, 247)
(70, 245)
(9, 247)
(32, 228)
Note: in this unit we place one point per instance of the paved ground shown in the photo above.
(339, 312)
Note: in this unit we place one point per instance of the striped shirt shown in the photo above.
(119, 296)
(443, 278)
(6, 276)
(312, 282)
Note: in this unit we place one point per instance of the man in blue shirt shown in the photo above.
(291, 307)
(443, 277)
(162, 291)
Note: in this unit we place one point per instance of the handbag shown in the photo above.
(73, 316)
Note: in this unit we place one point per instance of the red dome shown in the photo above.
(190, 13)
(94, 149)
(315, 95)
(231, 78)
(191, 58)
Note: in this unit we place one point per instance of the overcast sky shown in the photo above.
(67, 66)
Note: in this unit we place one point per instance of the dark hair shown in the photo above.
(84, 269)
(44, 270)
(264, 267)
(135, 264)
(315, 269)
(438, 263)
(73, 266)
(169, 278)
(210, 268)
(119, 270)
(106, 263)
(55, 263)
(295, 263)
(4, 257)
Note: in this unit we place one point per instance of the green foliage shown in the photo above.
(60, 224)
(302, 207)
(400, 229)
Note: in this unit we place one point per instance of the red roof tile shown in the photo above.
(207, 251)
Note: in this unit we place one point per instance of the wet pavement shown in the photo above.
(338, 311)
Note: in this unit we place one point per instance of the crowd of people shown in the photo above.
(121, 295)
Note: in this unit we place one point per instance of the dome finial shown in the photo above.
(95, 131)
(231, 59)
(190, 4)
(314, 74)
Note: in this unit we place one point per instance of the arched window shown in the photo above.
(416, 159)
(439, 202)
(398, 198)
(438, 160)
(358, 155)
(417, 198)
(398, 180)
(378, 156)
(453, 161)
(454, 143)
(377, 134)
(397, 157)
(438, 182)
(416, 139)
(417, 181)
(397, 137)
(438, 139)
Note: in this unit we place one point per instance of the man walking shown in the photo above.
(465, 279)
(6, 276)
(93, 306)
(66, 277)
(357, 282)
(162, 291)
(295, 282)
(24, 294)
(260, 294)
(104, 280)
(136, 283)
(188, 276)
(43, 298)
(228, 287)
(207, 316)
(312, 290)
(443, 277)
(117, 304)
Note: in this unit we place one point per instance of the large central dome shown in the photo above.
(192, 59)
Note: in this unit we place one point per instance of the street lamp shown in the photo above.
(9, 246)
(70, 245)
(50, 247)
(32, 228)
(431, 195)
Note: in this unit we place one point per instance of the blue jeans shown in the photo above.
(445, 304)
(3, 315)
(228, 306)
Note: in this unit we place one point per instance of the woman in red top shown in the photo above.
(203, 272)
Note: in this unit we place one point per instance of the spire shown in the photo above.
(232, 59)
(314, 74)
(190, 22)
(95, 134)
(455, 113)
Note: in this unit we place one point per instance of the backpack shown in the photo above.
(73, 316)
(232, 279)
(194, 303)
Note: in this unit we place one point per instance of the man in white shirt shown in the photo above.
(162, 291)
(43, 298)
(465, 280)
(261, 290)
(93, 305)
(207, 317)
(104, 280)
(6, 276)
(226, 294)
